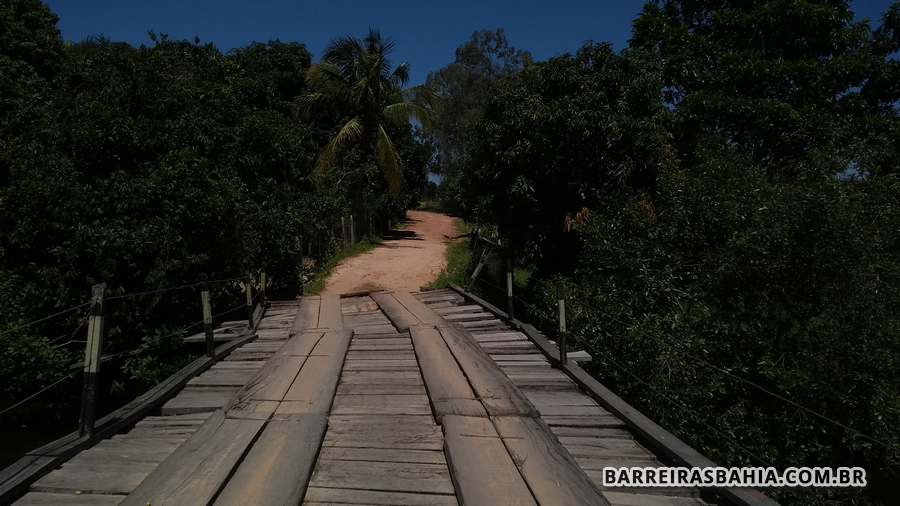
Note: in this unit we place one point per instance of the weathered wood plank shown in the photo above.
(278, 466)
(383, 455)
(552, 474)
(448, 388)
(271, 382)
(381, 405)
(195, 472)
(633, 499)
(317, 496)
(401, 317)
(386, 476)
(413, 432)
(193, 400)
(330, 314)
(68, 499)
(385, 387)
(119, 477)
(498, 393)
(307, 315)
(481, 467)
(422, 312)
(381, 365)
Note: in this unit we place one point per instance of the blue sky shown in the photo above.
(426, 33)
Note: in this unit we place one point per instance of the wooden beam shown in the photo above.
(494, 389)
(482, 470)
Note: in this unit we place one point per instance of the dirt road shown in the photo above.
(409, 258)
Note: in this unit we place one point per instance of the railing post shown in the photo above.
(248, 287)
(352, 231)
(92, 362)
(207, 316)
(563, 346)
(262, 288)
(510, 304)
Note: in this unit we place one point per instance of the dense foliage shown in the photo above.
(719, 204)
(142, 167)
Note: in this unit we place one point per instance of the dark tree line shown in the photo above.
(142, 167)
(719, 202)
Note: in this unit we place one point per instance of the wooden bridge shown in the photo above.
(382, 398)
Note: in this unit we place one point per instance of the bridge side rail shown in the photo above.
(18, 476)
(657, 439)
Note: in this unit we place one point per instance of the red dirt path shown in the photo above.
(409, 258)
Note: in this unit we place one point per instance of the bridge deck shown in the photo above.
(393, 398)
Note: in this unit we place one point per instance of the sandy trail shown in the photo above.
(409, 258)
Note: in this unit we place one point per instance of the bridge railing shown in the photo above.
(208, 301)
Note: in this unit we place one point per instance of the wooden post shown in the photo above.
(343, 232)
(352, 231)
(262, 288)
(207, 316)
(248, 287)
(510, 303)
(563, 346)
(92, 362)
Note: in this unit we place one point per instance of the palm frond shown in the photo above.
(401, 113)
(351, 131)
(400, 76)
(389, 161)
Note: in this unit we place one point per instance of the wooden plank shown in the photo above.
(552, 474)
(278, 466)
(381, 377)
(193, 400)
(383, 455)
(633, 499)
(314, 388)
(448, 388)
(196, 471)
(381, 365)
(495, 390)
(381, 405)
(381, 355)
(317, 495)
(271, 382)
(219, 378)
(422, 312)
(307, 315)
(401, 317)
(386, 476)
(394, 432)
(334, 343)
(386, 387)
(482, 469)
(330, 313)
(119, 477)
(68, 499)
(301, 344)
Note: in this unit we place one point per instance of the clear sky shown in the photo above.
(426, 33)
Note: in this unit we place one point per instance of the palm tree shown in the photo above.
(356, 76)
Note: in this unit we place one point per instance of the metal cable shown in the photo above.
(39, 392)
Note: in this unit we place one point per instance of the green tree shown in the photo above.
(355, 76)
(558, 137)
(800, 85)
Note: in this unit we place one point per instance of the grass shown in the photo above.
(433, 206)
(458, 258)
(317, 283)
